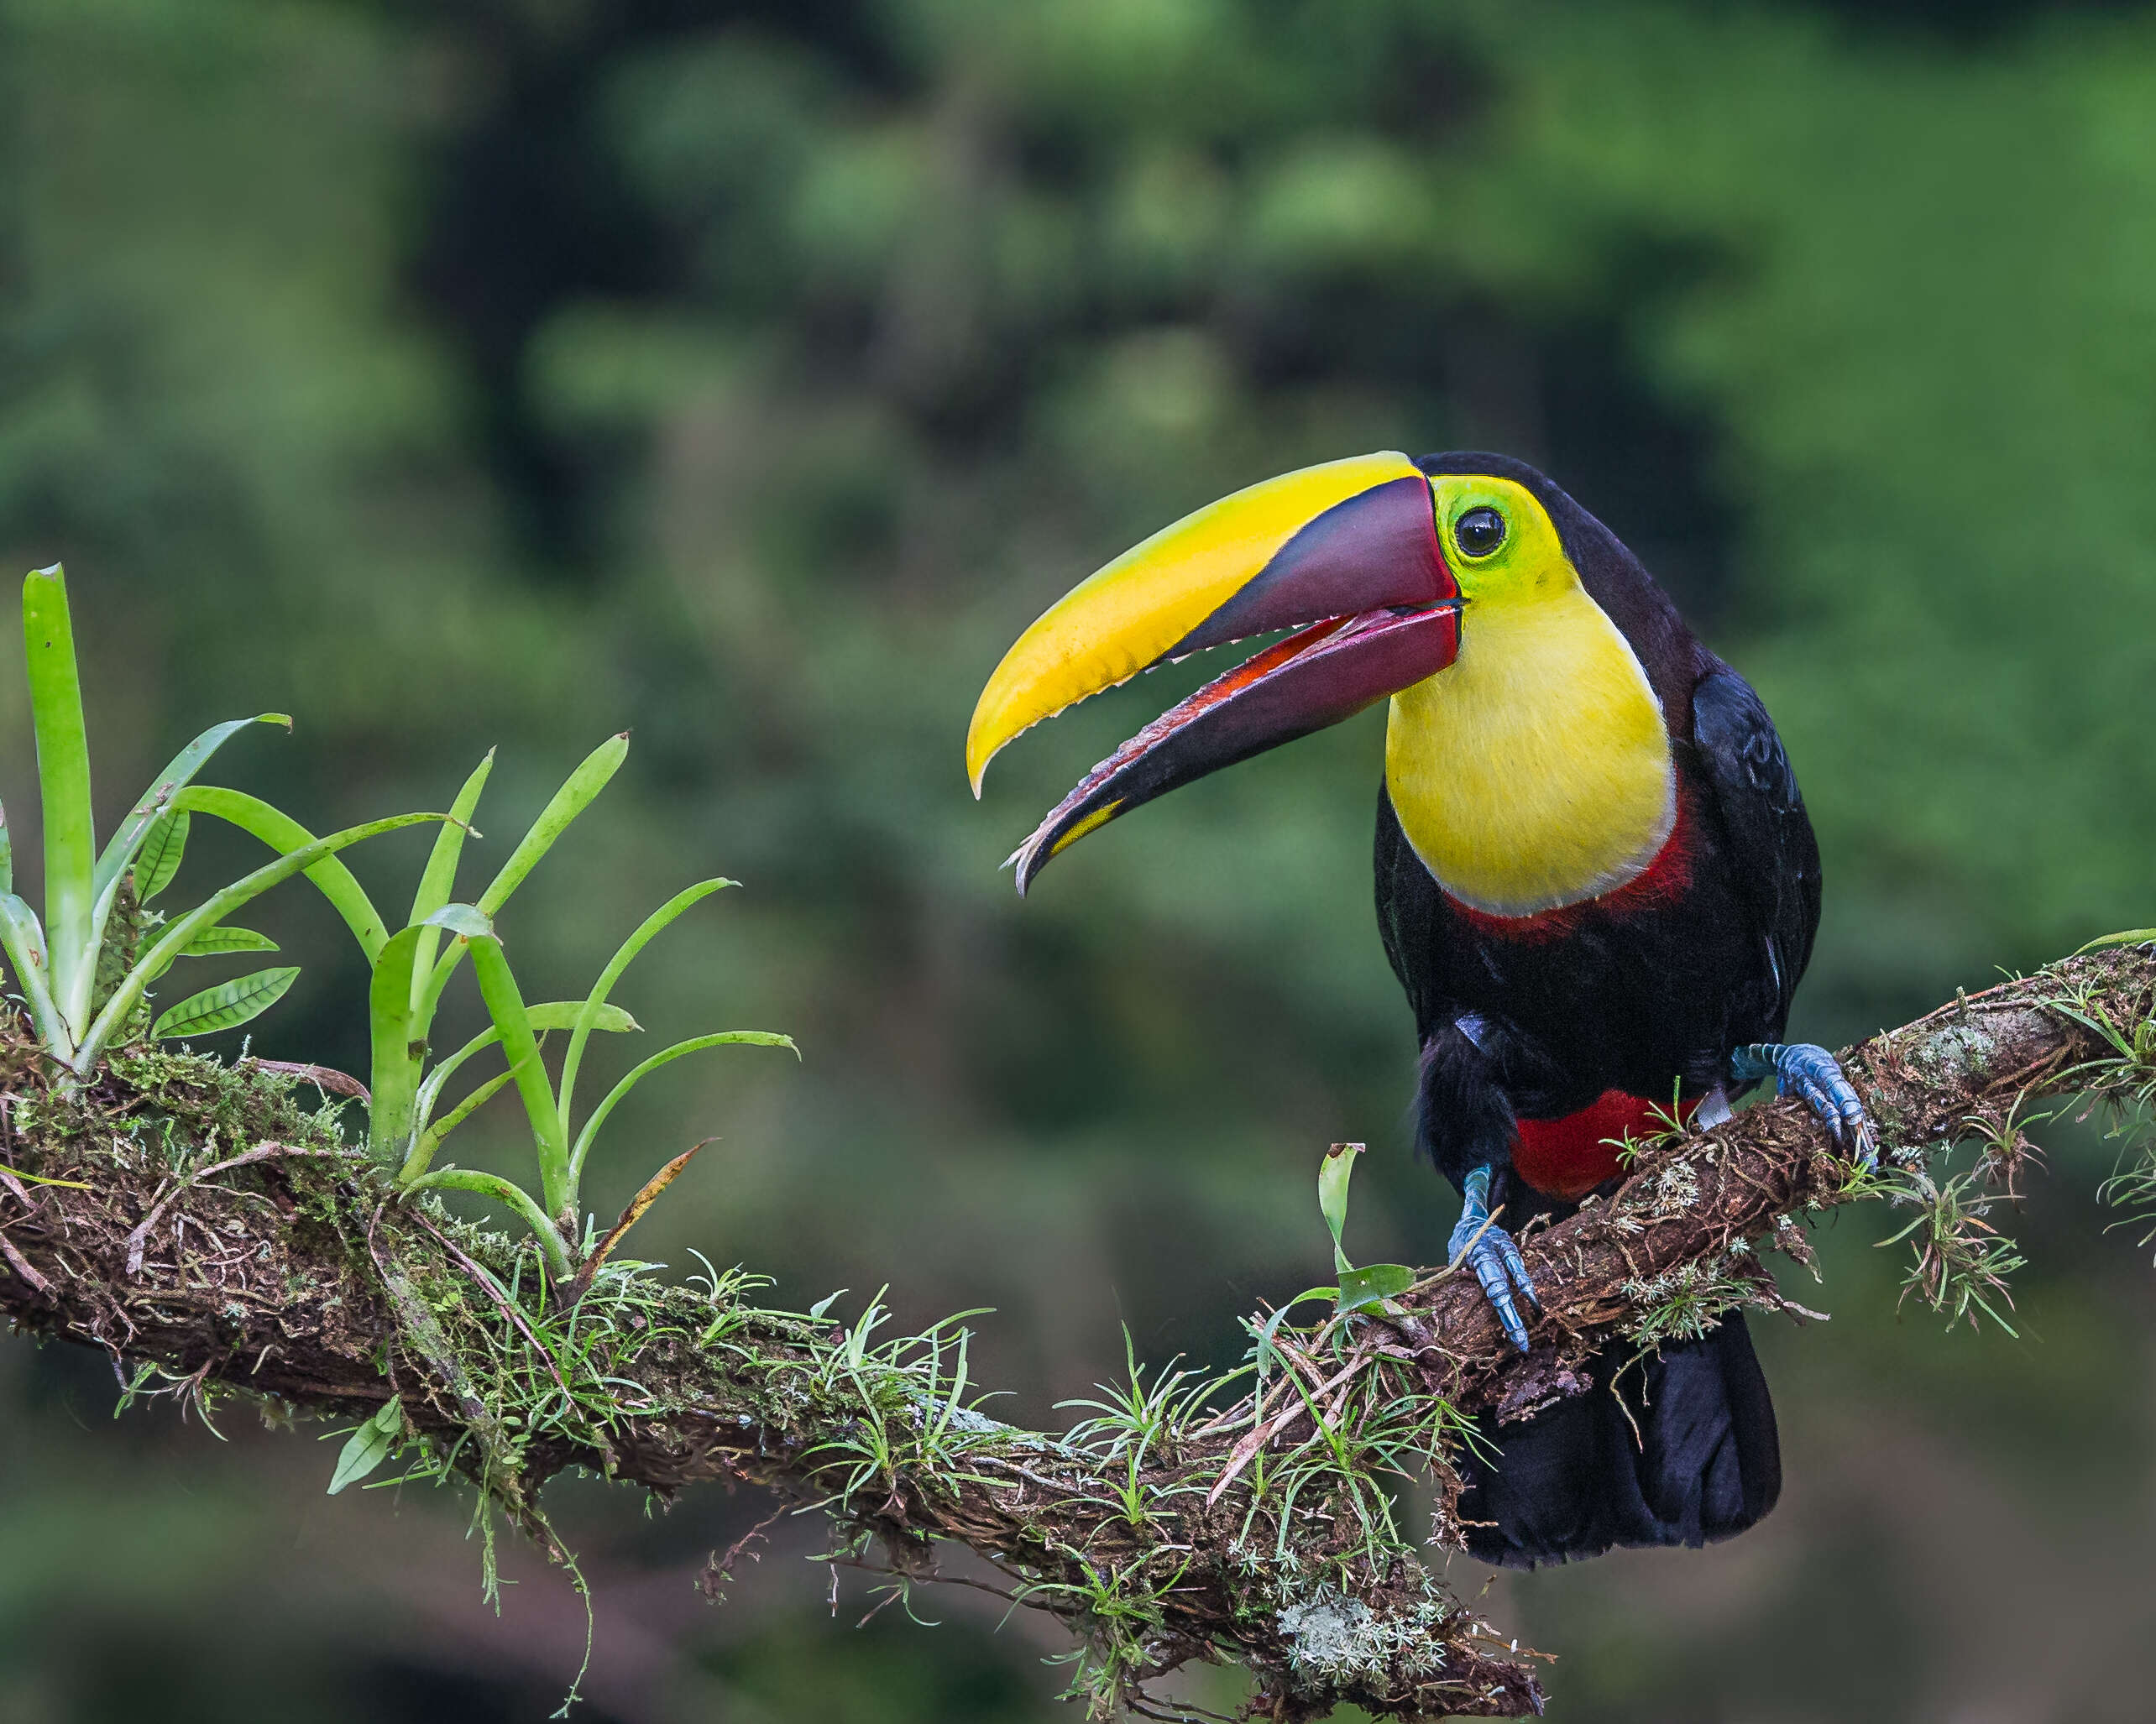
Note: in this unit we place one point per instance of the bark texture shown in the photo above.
(228, 1237)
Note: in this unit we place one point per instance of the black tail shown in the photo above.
(1576, 1479)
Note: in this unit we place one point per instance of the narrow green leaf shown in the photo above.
(7, 856)
(430, 1139)
(549, 1014)
(285, 835)
(367, 1447)
(2131, 936)
(23, 941)
(571, 800)
(220, 941)
(1362, 1289)
(505, 1006)
(225, 1006)
(158, 860)
(595, 1001)
(395, 1051)
(566, 1014)
(63, 793)
(151, 808)
(1333, 1173)
(398, 1034)
(513, 1197)
(438, 881)
(177, 937)
(695, 1044)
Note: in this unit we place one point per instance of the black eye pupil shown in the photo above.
(1479, 531)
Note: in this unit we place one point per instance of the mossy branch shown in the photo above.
(229, 1241)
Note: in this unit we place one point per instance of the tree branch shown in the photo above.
(230, 1241)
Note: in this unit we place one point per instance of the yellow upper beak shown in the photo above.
(1135, 611)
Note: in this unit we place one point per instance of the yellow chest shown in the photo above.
(1535, 771)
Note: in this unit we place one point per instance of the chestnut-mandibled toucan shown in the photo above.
(1596, 881)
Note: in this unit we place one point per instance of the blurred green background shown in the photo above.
(518, 371)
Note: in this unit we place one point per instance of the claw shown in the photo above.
(1491, 1253)
(1812, 1074)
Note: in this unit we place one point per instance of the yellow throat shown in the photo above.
(1535, 771)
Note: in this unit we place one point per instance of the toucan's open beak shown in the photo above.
(1346, 554)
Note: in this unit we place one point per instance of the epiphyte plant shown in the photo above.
(76, 1022)
(56, 961)
(408, 980)
(408, 972)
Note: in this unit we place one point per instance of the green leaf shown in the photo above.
(462, 920)
(369, 1446)
(225, 1006)
(63, 793)
(514, 1197)
(23, 941)
(395, 1049)
(152, 807)
(571, 800)
(566, 1014)
(285, 835)
(219, 942)
(1267, 1352)
(430, 1139)
(1333, 1173)
(177, 936)
(1362, 1290)
(439, 879)
(695, 1044)
(2131, 936)
(7, 856)
(438, 882)
(398, 1032)
(595, 1001)
(549, 1014)
(505, 1005)
(158, 859)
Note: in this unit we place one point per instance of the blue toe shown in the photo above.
(1814, 1075)
(1490, 1252)
(1498, 1266)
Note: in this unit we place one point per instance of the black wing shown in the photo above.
(1772, 851)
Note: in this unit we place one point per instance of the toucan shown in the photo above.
(1596, 881)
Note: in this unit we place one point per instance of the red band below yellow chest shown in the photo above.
(1568, 1158)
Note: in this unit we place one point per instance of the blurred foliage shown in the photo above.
(512, 371)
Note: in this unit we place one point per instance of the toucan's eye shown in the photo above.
(1478, 532)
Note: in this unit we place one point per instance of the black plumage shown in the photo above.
(1652, 985)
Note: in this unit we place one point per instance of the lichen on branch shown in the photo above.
(224, 1239)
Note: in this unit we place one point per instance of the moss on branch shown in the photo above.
(226, 1240)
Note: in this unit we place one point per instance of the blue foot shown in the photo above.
(1494, 1257)
(1798, 1067)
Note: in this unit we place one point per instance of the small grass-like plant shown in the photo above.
(56, 961)
(2123, 1080)
(1962, 1264)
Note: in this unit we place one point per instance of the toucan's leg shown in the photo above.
(1493, 1256)
(1798, 1068)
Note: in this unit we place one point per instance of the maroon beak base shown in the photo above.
(1372, 570)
